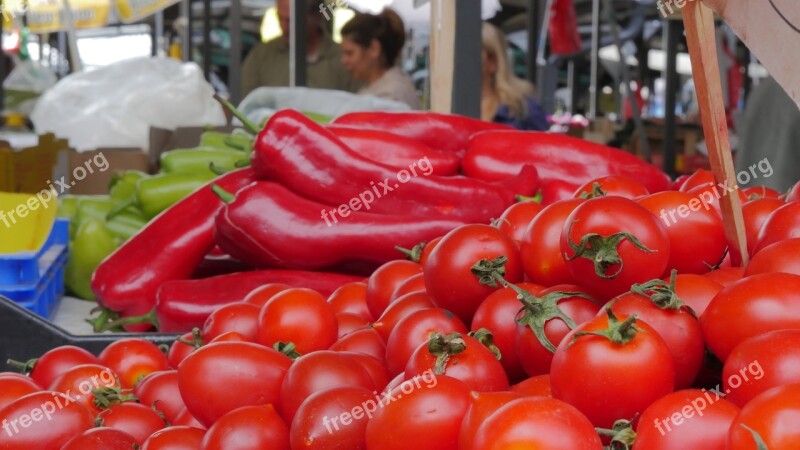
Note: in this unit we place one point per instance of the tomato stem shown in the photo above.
(485, 337)
(603, 250)
(619, 333)
(662, 294)
(597, 191)
(24, 367)
(414, 254)
(104, 397)
(197, 339)
(622, 435)
(288, 349)
(443, 347)
(490, 272)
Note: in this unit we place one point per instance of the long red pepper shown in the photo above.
(443, 132)
(267, 225)
(169, 248)
(312, 162)
(394, 151)
(496, 155)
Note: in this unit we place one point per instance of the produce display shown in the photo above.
(557, 295)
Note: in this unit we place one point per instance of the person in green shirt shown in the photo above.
(268, 63)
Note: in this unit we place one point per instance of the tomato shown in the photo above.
(415, 329)
(772, 416)
(132, 359)
(599, 247)
(183, 346)
(537, 422)
(725, 276)
(673, 321)
(545, 314)
(252, 374)
(421, 414)
(687, 419)
(57, 361)
(515, 219)
(778, 257)
(300, 316)
(383, 282)
(540, 249)
(239, 317)
(248, 428)
(44, 420)
(261, 295)
(538, 385)
(351, 298)
(462, 357)
(497, 313)
(14, 386)
(160, 390)
(607, 378)
(78, 383)
(701, 177)
(133, 418)
(553, 191)
(755, 213)
(175, 438)
(415, 283)
(399, 309)
(375, 368)
(365, 340)
(760, 192)
(754, 305)
(696, 235)
(448, 272)
(696, 291)
(711, 194)
(186, 419)
(102, 438)
(316, 371)
(679, 182)
(781, 224)
(333, 419)
(230, 336)
(794, 193)
(481, 406)
(612, 186)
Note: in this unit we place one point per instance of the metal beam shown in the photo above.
(672, 32)
(207, 39)
(235, 59)
(298, 43)
(595, 60)
(466, 93)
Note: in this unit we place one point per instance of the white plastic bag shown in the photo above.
(116, 105)
(23, 85)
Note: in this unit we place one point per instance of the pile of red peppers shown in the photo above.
(321, 206)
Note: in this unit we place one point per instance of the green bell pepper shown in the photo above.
(126, 223)
(159, 192)
(92, 244)
(123, 187)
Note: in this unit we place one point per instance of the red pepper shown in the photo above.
(443, 132)
(296, 233)
(394, 151)
(169, 248)
(496, 155)
(312, 162)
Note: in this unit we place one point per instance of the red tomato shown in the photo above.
(43, 420)
(133, 418)
(754, 305)
(556, 190)
(725, 276)
(57, 361)
(688, 419)
(160, 390)
(385, 280)
(696, 291)
(375, 368)
(239, 317)
(14, 386)
(261, 295)
(248, 428)
(781, 224)
(333, 419)
(711, 194)
(538, 385)
(537, 422)
(498, 313)
(415, 329)
(761, 363)
(186, 419)
(755, 213)
(778, 257)
(611, 377)
(516, 218)
(316, 371)
(540, 249)
(696, 235)
(402, 307)
(481, 406)
(421, 414)
(175, 438)
(462, 357)
(78, 383)
(794, 193)
(427, 249)
(230, 336)
(351, 298)
(183, 346)
(760, 192)
(599, 248)
(545, 314)
(448, 272)
(679, 182)
(300, 316)
(251, 373)
(348, 323)
(132, 359)
(413, 284)
(366, 341)
(700, 178)
(612, 186)
(770, 415)
(102, 438)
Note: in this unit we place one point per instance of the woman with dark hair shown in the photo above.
(371, 46)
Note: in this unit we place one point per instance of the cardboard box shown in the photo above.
(91, 172)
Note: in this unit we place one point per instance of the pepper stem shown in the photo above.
(223, 195)
(105, 316)
(603, 250)
(249, 124)
(443, 347)
(149, 318)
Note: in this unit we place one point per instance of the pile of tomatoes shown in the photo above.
(596, 320)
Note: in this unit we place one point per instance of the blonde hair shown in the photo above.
(511, 90)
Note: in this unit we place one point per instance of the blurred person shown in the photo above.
(505, 98)
(267, 64)
(371, 46)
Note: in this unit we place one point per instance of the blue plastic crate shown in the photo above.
(35, 280)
